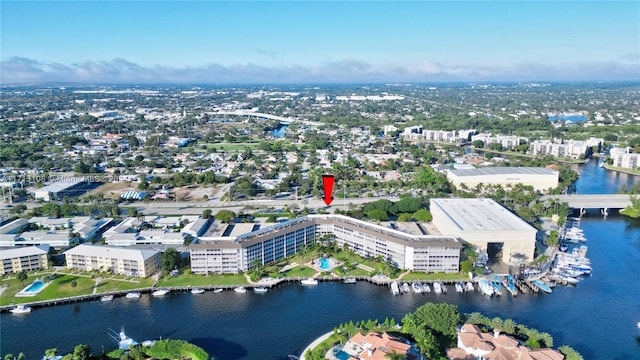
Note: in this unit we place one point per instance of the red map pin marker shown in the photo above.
(327, 184)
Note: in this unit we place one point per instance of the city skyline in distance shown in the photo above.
(318, 42)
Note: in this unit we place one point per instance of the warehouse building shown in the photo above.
(541, 179)
(486, 224)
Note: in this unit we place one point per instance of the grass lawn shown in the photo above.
(300, 271)
(434, 276)
(186, 279)
(357, 272)
(59, 288)
(108, 285)
(229, 146)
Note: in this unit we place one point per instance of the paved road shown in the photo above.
(196, 207)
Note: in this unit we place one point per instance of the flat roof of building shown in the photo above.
(111, 252)
(58, 186)
(16, 252)
(504, 171)
(480, 215)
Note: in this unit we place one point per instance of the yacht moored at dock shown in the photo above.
(21, 309)
(416, 288)
(349, 281)
(395, 289)
(426, 288)
(261, 290)
(160, 292)
(437, 287)
(485, 287)
(197, 291)
(309, 281)
(107, 298)
(240, 289)
(133, 295)
(542, 286)
(459, 287)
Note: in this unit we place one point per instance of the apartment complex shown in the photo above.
(429, 253)
(626, 160)
(506, 141)
(58, 232)
(27, 258)
(129, 262)
(570, 148)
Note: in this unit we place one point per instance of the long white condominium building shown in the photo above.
(129, 262)
(429, 253)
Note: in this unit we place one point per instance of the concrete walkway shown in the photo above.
(315, 343)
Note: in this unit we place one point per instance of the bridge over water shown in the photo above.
(250, 113)
(593, 201)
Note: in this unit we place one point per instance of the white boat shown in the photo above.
(218, 291)
(469, 286)
(395, 289)
(160, 292)
(426, 288)
(444, 288)
(459, 287)
(21, 309)
(309, 281)
(416, 288)
(133, 295)
(197, 291)
(261, 290)
(485, 287)
(107, 298)
(240, 289)
(405, 288)
(349, 281)
(437, 287)
(601, 165)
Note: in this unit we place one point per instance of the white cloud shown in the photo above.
(20, 70)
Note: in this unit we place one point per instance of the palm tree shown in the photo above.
(396, 356)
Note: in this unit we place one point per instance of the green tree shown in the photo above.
(395, 355)
(422, 215)
(81, 352)
(225, 216)
(170, 259)
(206, 214)
(570, 353)
(22, 276)
(50, 354)
(73, 285)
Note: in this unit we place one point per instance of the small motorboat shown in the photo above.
(459, 287)
(197, 291)
(261, 290)
(107, 298)
(218, 291)
(349, 281)
(416, 288)
(160, 292)
(240, 289)
(426, 288)
(21, 309)
(133, 295)
(309, 281)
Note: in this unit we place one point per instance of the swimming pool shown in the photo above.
(33, 289)
(342, 355)
(325, 264)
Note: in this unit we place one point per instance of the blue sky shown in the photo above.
(321, 41)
